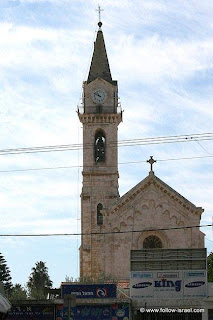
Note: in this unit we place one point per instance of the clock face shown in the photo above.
(99, 96)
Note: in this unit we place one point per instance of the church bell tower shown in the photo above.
(100, 119)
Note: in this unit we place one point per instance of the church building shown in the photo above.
(150, 215)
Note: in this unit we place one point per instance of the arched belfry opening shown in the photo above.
(100, 146)
(99, 214)
(152, 242)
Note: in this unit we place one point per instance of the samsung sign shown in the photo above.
(142, 285)
(175, 284)
(195, 284)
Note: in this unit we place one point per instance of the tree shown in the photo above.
(18, 292)
(210, 267)
(69, 279)
(5, 277)
(39, 281)
(102, 278)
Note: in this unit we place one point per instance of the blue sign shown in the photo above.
(28, 312)
(142, 285)
(88, 291)
(100, 312)
(195, 284)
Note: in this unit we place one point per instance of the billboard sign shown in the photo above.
(168, 284)
(90, 291)
(32, 312)
(194, 284)
(99, 312)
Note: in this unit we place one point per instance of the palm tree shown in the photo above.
(39, 281)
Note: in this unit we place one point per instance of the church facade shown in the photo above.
(150, 215)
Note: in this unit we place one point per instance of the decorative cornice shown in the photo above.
(152, 180)
(100, 117)
(98, 173)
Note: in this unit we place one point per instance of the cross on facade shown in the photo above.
(151, 161)
(99, 12)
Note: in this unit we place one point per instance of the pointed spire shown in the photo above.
(99, 67)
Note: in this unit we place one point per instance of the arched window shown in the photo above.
(99, 214)
(100, 147)
(152, 242)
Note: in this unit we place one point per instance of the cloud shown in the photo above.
(41, 226)
(153, 59)
(9, 3)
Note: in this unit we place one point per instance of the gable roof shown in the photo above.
(165, 188)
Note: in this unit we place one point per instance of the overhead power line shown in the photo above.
(121, 143)
(202, 147)
(120, 163)
(208, 239)
(101, 233)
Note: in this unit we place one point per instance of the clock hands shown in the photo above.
(96, 94)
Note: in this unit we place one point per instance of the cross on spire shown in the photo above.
(99, 16)
(151, 161)
(99, 67)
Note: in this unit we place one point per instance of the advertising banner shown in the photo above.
(168, 284)
(99, 312)
(90, 291)
(36, 312)
(194, 284)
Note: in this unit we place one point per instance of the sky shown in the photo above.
(161, 54)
